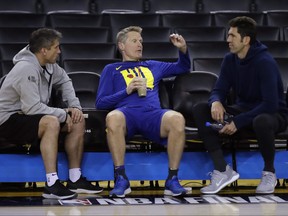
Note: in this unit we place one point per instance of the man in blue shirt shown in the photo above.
(253, 75)
(132, 114)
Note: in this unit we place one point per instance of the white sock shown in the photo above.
(74, 174)
(51, 178)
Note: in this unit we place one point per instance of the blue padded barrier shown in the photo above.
(250, 164)
(98, 166)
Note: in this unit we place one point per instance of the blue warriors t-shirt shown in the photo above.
(116, 77)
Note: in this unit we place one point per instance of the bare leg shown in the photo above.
(116, 129)
(173, 127)
(48, 132)
(74, 145)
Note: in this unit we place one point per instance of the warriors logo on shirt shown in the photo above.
(130, 73)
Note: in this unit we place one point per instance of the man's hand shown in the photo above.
(217, 111)
(178, 41)
(76, 115)
(136, 82)
(229, 129)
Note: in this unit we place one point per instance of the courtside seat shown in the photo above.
(190, 89)
(207, 64)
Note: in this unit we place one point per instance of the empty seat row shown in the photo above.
(80, 35)
(139, 6)
(163, 51)
(273, 18)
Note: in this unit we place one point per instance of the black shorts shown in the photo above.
(20, 128)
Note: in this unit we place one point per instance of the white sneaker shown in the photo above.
(267, 184)
(219, 180)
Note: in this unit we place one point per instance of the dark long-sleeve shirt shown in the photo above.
(256, 82)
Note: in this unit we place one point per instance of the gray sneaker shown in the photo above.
(219, 180)
(267, 184)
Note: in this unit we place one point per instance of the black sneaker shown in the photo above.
(83, 186)
(58, 191)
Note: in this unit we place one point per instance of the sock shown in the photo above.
(74, 174)
(51, 178)
(120, 170)
(218, 160)
(172, 172)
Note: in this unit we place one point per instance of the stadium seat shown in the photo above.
(19, 6)
(116, 6)
(85, 34)
(268, 5)
(22, 20)
(278, 49)
(156, 34)
(119, 21)
(159, 51)
(86, 86)
(8, 51)
(59, 20)
(207, 49)
(6, 66)
(279, 19)
(88, 51)
(285, 34)
(202, 33)
(222, 18)
(66, 6)
(169, 6)
(92, 65)
(268, 33)
(190, 89)
(186, 20)
(208, 64)
(283, 67)
(226, 5)
(15, 35)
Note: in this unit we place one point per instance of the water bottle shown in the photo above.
(218, 126)
(215, 126)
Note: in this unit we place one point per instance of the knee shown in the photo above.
(50, 122)
(115, 120)
(177, 121)
(262, 122)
